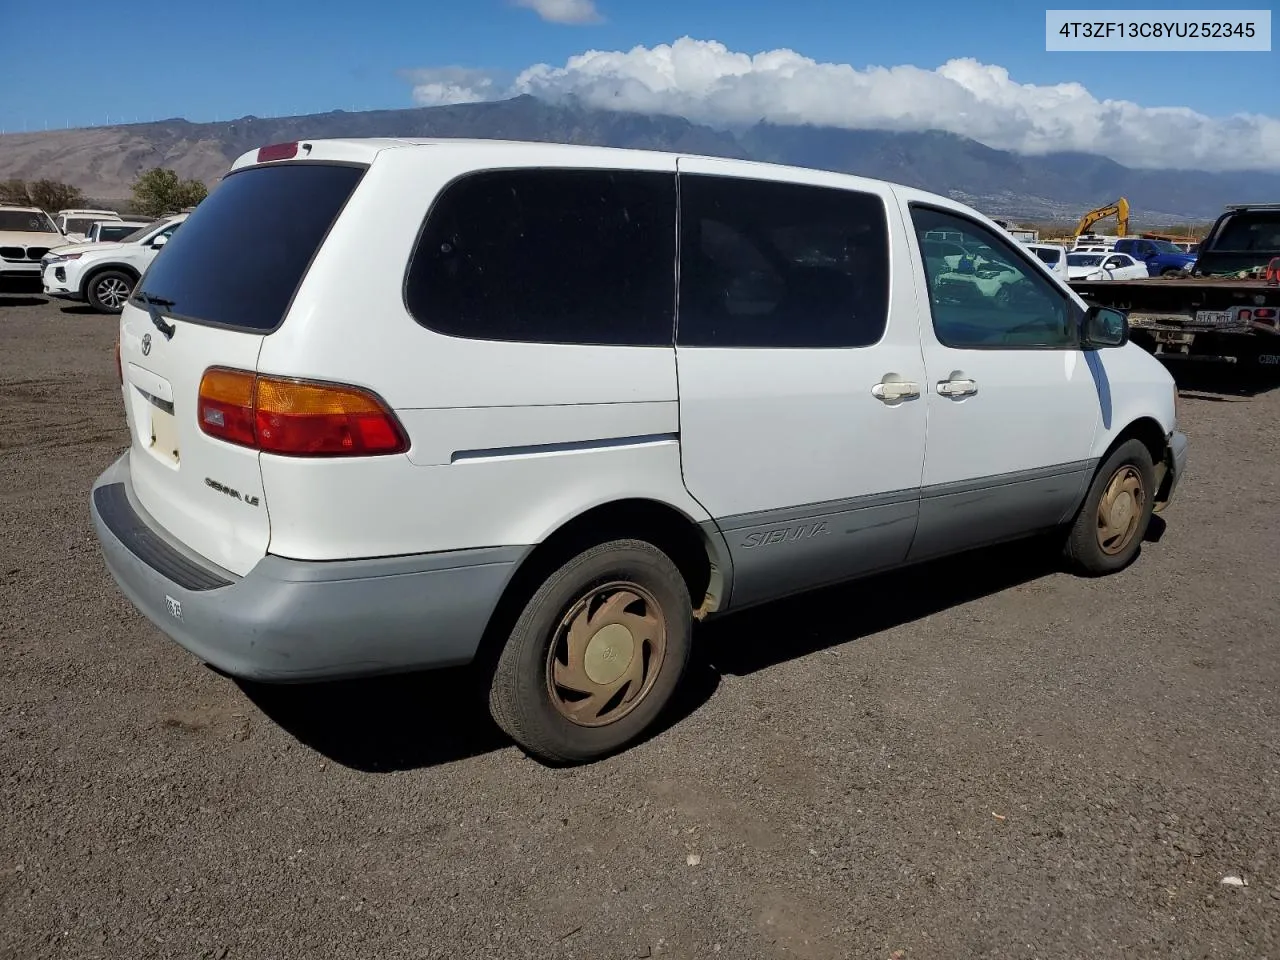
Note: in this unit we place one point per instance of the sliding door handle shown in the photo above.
(957, 388)
(890, 390)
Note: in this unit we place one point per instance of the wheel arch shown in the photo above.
(1148, 431)
(697, 549)
(98, 269)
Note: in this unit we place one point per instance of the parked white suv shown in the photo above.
(103, 274)
(75, 224)
(1053, 255)
(405, 404)
(26, 235)
(113, 231)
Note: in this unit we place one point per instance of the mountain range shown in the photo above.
(103, 161)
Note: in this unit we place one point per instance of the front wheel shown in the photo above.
(109, 290)
(1109, 529)
(596, 653)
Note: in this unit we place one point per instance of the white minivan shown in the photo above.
(401, 404)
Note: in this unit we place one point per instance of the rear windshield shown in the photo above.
(1048, 256)
(1249, 233)
(240, 256)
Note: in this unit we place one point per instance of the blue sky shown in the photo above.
(271, 57)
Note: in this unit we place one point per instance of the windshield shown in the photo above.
(1166, 246)
(1084, 259)
(140, 232)
(242, 254)
(1250, 232)
(26, 221)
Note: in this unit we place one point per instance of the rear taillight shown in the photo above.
(297, 418)
(278, 151)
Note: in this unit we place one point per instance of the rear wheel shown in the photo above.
(1109, 529)
(595, 655)
(109, 290)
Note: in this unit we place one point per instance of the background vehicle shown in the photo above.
(111, 231)
(1104, 266)
(330, 478)
(26, 235)
(103, 274)
(74, 224)
(1052, 254)
(1224, 309)
(1162, 257)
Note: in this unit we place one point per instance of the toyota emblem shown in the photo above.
(146, 344)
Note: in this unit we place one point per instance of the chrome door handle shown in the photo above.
(895, 390)
(957, 388)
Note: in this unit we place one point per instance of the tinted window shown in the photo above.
(239, 258)
(1250, 232)
(768, 264)
(550, 256)
(115, 233)
(25, 221)
(1050, 257)
(992, 298)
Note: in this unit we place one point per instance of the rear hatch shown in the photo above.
(222, 283)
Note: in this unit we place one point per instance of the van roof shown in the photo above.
(364, 150)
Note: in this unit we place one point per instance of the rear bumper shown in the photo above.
(292, 620)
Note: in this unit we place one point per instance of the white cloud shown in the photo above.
(708, 83)
(438, 86)
(563, 11)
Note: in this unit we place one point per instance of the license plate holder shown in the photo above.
(1215, 318)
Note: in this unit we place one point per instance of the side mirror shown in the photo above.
(1104, 327)
(159, 241)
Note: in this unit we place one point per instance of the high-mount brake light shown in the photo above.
(278, 151)
(297, 418)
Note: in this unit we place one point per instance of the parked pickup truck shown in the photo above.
(1162, 257)
(1225, 308)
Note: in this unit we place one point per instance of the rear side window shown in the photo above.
(770, 264)
(240, 256)
(550, 256)
(1250, 232)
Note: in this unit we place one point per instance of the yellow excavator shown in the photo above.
(1119, 210)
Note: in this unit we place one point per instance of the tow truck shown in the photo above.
(1224, 308)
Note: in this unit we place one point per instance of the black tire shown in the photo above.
(108, 290)
(1170, 272)
(1093, 549)
(527, 703)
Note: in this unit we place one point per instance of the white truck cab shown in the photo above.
(401, 404)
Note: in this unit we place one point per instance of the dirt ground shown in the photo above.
(983, 758)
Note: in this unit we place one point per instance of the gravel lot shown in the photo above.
(982, 758)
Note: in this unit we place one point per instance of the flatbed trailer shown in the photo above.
(1227, 309)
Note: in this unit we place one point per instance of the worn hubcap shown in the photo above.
(606, 654)
(1120, 510)
(113, 292)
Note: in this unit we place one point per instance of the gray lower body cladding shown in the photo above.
(781, 552)
(290, 620)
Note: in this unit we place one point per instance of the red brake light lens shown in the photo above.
(296, 417)
(278, 151)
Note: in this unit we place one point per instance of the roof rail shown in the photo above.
(1252, 206)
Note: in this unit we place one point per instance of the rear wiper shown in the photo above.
(151, 303)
